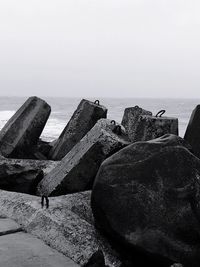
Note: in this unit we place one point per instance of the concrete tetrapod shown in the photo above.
(77, 170)
(83, 119)
(24, 128)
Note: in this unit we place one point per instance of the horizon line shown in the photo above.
(108, 97)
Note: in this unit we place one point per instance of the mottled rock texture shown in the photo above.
(21, 133)
(77, 170)
(151, 127)
(83, 119)
(140, 125)
(146, 198)
(130, 121)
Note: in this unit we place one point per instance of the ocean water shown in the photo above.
(63, 108)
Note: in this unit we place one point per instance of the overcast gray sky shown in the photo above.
(128, 48)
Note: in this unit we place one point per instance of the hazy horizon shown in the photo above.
(107, 48)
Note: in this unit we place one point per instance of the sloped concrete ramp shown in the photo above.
(20, 249)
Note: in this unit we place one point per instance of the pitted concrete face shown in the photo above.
(84, 118)
(131, 121)
(24, 128)
(77, 170)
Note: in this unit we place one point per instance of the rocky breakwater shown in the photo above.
(146, 199)
(77, 170)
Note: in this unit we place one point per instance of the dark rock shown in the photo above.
(77, 170)
(83, 119)
(192, 134)
(45, 165)
(41, 150)
(146, 198)
(131, 121)
(96, 260)
(22, 131)
(19, 179)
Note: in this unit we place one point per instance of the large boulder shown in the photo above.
(131, 120)
(192, 134)
(77, 170)
(83, 119)
(146, 197)
(21, 133)
(67, 225)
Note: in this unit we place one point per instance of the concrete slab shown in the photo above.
(24, 250)
(8, 226)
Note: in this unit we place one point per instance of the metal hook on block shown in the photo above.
(97, 102)
(160, 113)
(113, 122)
(45, 198)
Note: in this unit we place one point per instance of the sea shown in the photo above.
(63, 108)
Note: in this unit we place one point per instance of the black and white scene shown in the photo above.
(99, 133)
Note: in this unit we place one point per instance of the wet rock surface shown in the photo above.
(146, 198)
(76, 172)
(83, 119)
(21, 133)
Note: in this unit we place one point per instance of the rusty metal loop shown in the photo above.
(97, 102)
(113, 122)
(160, 113)
(45, 198)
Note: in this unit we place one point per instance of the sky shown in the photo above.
(109, 48)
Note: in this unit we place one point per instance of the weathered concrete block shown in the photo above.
(64, 226)
(192, 134)
(22, 131)
(151, 127)
(131, 121)
(77, 170)
(83, 119)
